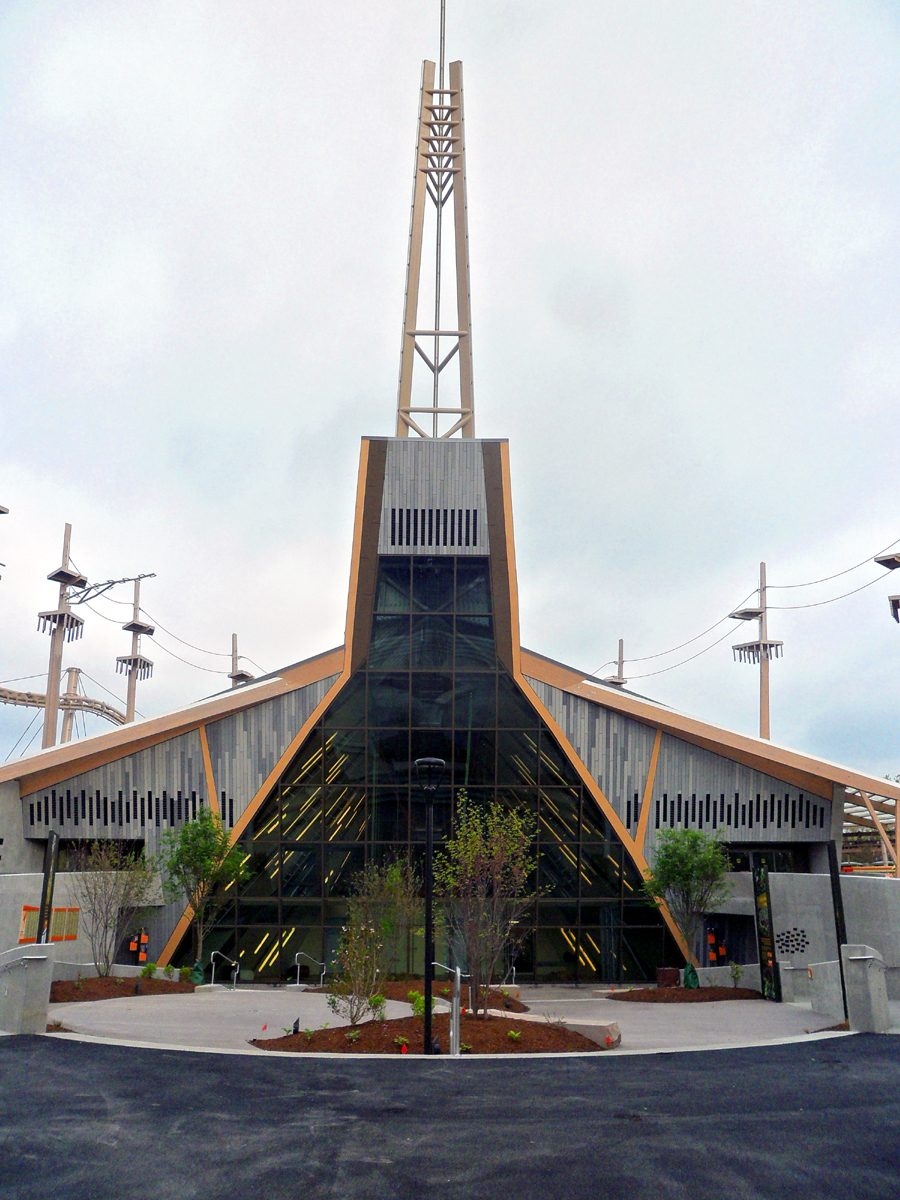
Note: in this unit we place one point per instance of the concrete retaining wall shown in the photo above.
(25, 977)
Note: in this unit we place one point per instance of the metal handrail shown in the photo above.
(458, 977)
(23, 962)
(302, 954)
(230, 961)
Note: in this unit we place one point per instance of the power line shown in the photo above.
(819, 603)
(662, 670)
(190, 646)
(813, 582)
(680, 646)
(209, 670)
(20, 678)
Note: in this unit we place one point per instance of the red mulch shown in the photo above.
(111, 987)
(483, 1035)
(399, 989)
(680, 995)
(57, 1027)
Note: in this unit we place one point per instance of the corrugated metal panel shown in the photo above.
(172, 772)
(690, 771)
(434, 474)
(245, 747)
(616, 751)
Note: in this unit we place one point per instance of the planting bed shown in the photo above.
(399, 989)
(681, 995)
(484, 1036)
(65, 991)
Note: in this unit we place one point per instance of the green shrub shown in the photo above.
(515, 1034)
(378, 1005)
(148, 971)
(417, 1000)
(185, 974)
(169, 971)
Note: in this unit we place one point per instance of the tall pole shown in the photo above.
(68, 723)
(63, 626)
(763, 657)
(429, 915)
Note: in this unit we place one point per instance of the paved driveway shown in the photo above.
(817, 1120)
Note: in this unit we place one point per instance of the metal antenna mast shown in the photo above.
(762, 651)
(440, 172)
(237, 674)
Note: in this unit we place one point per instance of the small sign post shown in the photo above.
(770, 977)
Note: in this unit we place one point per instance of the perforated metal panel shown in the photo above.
(434, 498)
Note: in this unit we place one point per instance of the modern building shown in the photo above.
(310, 767)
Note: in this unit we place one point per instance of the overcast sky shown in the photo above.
(685, 231)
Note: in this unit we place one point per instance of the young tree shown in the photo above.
(197, 863)
(354, 991)
(484, 876)
(111, 886)
(688, 877)
(388, 896)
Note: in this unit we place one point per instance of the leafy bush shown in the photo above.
(688, 877)
(148, 971)
(353, 992)
(736, 972)
(169, 971)
(417, 1000)
(184, 974)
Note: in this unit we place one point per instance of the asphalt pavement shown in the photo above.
(815, 1119)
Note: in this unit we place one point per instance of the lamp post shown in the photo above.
(430, 772)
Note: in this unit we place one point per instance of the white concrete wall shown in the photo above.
(17, 855)
(872, 916)
(18, 890)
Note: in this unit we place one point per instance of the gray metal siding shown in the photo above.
(434, 474)
(616, 751)
(172, 770)
(245, 747)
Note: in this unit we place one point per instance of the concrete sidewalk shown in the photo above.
(210, 1020)
(228, 1020)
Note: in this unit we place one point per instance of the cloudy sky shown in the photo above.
(685, 234)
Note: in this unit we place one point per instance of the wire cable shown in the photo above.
(662, 670)
(819, 603)
(190, 646)
(20, 678)
(37, 713)
(826, 578)
(118, 699)
(209, 670)
(681, 645)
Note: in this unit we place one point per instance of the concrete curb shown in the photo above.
(605, 1054)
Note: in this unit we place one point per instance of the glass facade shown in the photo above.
(432, 686)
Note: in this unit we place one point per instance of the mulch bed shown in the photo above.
(680, 995)
(111, 988)
(399, 989)
(483, 1036)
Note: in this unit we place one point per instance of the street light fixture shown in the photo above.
(430, 772)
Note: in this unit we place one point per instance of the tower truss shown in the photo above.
(440, 176)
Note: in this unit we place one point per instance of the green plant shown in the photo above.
(515, 1034)
(485, 876)
(445, 991)
(184, 974)
(121, 981)
(378, 1004)
(465, 1048)
(736, 971)
(112, 886)
(353, 992)
(400, 1041)
(688, 878)
(79, 983)
(148, 971)
(309, 1035)
(417, 1000)
(199, 864)
(169, 971)
(388, 897)
(352, 1035)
